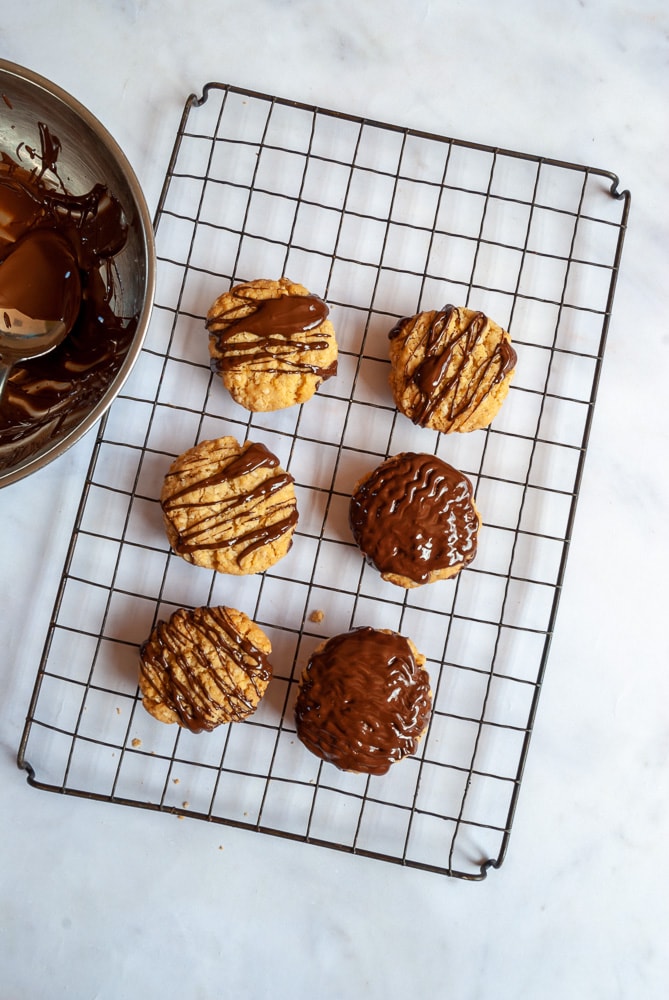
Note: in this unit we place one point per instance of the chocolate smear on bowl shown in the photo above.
(47, 396)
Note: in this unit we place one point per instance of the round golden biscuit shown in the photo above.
(229, 507)
(271, 343)
(450, 369)
(364, 700)
(203, 668)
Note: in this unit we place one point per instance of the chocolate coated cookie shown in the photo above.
(364, 700)
(415, 519)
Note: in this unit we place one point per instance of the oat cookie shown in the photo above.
(229, 507)
(364, 700)
(415, 519)
(271, 343)
(204, 668)
(450, 369)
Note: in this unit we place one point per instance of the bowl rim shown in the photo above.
(50, 452)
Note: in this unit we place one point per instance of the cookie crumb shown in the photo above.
(136, 742)
(176, 780)
(185, 804)
(317, 616)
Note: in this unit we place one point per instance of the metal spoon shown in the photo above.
(40, 295)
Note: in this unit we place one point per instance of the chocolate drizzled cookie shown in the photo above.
(229, 507)
(451, 369)
(271, 343)
(203, 668)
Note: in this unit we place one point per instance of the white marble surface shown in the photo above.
(105, 902)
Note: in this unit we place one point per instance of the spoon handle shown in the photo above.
(4, 375)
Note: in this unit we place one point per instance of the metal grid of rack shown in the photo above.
(382, 221)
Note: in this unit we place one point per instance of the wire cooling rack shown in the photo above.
(381, 221)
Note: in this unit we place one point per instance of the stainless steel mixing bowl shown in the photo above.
(88, 156)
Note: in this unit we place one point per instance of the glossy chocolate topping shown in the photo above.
(284, 330)
(446, 348)
(50, 394)
(363, 702)
(195, 662)
(234, 521)
(413, 516)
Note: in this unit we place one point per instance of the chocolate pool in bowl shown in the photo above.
(61, 170)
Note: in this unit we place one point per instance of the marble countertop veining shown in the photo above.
(109, 902)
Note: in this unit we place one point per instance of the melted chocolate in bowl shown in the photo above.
(40, 292)
(61, 173)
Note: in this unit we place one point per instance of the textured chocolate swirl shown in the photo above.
(445, 370)
(413, 516)
(277, 335)
(201, 667)
(364, 701)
